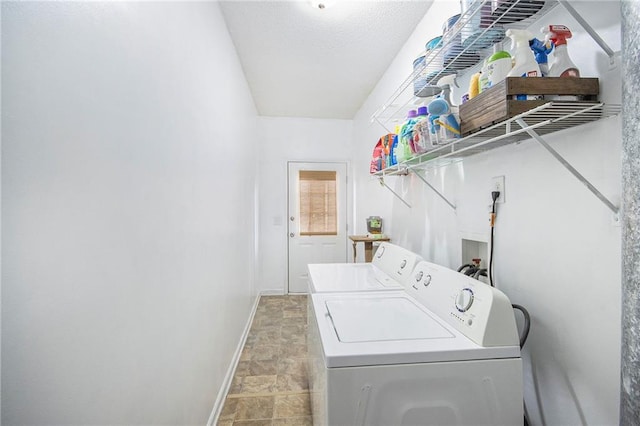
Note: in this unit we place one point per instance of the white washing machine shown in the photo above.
(443, 351)
(391, 265)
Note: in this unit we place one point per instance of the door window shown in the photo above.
(318, 209)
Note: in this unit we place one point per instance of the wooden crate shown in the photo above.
(498, 103)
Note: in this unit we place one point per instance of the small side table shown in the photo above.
(368, 245)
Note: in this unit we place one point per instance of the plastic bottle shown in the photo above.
(392, 155)
(444, 126)
(498, 67)
(483, 81)
(561, 64)
(541, 50)
(403, 150)
(387, 143)
(525, 64)
(474, 85)
(421, 142)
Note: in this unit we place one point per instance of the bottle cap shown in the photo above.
(412, 113)
(422, 110)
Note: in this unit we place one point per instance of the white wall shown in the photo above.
(557, 251)
(283, 140)
(128, 173)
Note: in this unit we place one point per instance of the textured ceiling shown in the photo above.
(302, 61)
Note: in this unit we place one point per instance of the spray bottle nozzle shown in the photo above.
(541, 49)
(558, 34)
(518, 37)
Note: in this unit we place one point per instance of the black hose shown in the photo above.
(471, 271)
(527, 324)
(466, 265)
(494, 197)
(480, 272)
(468, 269)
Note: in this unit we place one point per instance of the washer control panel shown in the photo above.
(395, 261)
(482, 313)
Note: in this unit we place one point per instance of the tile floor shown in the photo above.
(270, 386)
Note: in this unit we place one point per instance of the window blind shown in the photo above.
(317, 195)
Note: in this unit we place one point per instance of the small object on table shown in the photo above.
(368, 244)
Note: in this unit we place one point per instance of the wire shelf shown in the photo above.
(463, 46)
(547, 118)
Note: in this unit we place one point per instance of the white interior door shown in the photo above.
(317, 218)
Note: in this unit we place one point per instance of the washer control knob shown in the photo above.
(427, 280)
(403, 264)
(464, 300)
(419, 275)
(380, 252)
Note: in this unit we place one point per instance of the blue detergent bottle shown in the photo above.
(392, 155)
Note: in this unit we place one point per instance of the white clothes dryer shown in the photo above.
(443, 351)
(391, 264)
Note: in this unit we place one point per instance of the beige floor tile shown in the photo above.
(260, 367)
(271, 320)
(228, 410)
(236, 385)
(293, 351)
(292, 366)
(268, 301)
(242, 369)
(259, 384)
(293, 338)
(294, 313)
(287, 383)
(272, 366)
(267, 337)
(296, 405)
(253, 423)
(245, 355)
(255, 408)
(295, 320)
(265, 352)
(293, 421)
(296, 327)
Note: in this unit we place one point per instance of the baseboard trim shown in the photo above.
(226, 384)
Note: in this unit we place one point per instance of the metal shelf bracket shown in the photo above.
(423, 179)
(569, 167)
(589, 29)
(398, 196)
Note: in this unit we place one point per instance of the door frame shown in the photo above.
(347, 199)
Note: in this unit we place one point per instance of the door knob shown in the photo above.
(292, 218)
(292, 235)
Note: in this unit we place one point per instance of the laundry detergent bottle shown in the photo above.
(421, 142)
(394, 146)
(561, 64)
(406, 134)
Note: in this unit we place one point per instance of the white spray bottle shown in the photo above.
(561, 64)
(525, 64)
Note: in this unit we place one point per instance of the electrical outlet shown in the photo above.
(497, 184)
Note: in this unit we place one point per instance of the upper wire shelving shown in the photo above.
(547, 118)
(465, 44)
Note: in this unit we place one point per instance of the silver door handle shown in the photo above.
(292, 235)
